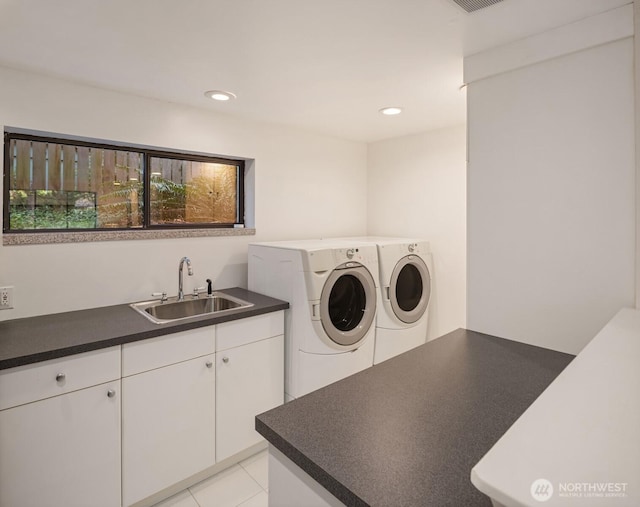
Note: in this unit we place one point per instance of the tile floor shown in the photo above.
(242, 485)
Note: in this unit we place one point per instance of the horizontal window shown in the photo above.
(53, 184)
(192, 192)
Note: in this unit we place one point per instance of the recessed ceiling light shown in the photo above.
(219, 95)
(390, 111)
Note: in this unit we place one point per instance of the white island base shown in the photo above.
(290, 486)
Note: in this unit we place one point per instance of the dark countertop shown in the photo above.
(34, 339)
(408, 431)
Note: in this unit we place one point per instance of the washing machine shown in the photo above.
(331, 287)
(405, 268)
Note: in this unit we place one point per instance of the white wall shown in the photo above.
(417, 188)
(307, 186)
(636, 47)
(551, 205)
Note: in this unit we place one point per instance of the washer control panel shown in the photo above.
(362, 254)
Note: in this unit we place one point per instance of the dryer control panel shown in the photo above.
(390, 253)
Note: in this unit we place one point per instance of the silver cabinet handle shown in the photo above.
(209, 364)
(60, 377)
(111, 393)
(225, 359)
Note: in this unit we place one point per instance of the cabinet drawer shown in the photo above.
(169, 349)
(243, 331)
(38, 381)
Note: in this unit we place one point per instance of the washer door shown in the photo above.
(410, 289)
(348, 304)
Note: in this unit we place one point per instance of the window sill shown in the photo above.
(47, 238)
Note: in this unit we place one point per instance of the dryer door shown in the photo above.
(410, 288)
(348, 304)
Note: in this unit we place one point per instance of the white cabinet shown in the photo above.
(249, 379)
(113, 427)
(61, 446)
(168, 424)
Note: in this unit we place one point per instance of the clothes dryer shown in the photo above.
(405, 268)
(331, 287)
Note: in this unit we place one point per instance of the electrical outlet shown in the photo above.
(6, 298)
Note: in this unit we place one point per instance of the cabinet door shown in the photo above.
(63, 451)
(249, 381)
(167, 426)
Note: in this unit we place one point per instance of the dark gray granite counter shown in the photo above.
(34, 339)
(408, 431)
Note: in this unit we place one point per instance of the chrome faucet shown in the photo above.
(190, 271)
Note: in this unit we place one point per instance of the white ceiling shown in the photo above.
(323, 65)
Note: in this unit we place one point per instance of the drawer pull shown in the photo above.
(111, 393)
(60, 377)
(225, 360)
(209, 364)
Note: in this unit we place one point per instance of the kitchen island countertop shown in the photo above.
(408, 431)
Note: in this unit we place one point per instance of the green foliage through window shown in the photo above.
(57, 184)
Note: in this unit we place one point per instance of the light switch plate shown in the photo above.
(6, 298)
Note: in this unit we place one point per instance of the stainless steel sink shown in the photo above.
(172, 310)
